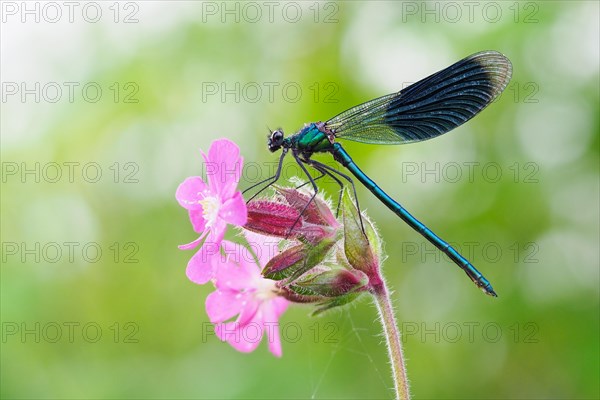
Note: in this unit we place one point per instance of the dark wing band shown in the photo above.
(430, 107)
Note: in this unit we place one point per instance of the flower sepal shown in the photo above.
(336, 302)
(362, 248)
(295, 261)
(330, 283)
(296, 294)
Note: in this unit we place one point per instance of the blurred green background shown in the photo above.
(516, 189)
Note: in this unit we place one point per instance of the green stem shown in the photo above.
(392, 336)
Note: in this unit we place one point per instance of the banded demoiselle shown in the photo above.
(424, 110)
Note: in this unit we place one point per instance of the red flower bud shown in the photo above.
(292, 215)
(273, 218)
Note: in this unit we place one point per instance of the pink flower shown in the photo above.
(242, 291)
(212, 206)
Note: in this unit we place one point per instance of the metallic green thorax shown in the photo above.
(309, 140)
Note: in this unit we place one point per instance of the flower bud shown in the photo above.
(330, 283)
(297, 260)
(273, 218)
(361, 248)
(293, 215)
(317, 212)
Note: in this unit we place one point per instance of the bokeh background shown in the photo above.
(106, 105)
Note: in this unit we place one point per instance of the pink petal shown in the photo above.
(236, 275)
(271, 325)
(271, 311)
(191, 245)
(223, 167)
(244, 338)
(274, 340)
(217, 231)
(232, 178)
(264, 247)
(190, 192)
(244, 257)
(234, 211)
(200, 267)
(250, 312)
(197, 220)
(279, 305)
(221, 306)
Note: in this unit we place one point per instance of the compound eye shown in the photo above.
(277, 136)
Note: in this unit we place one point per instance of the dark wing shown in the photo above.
(430, 107)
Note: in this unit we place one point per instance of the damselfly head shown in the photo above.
(275, 140)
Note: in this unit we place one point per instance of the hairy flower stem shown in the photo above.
(392, 336)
